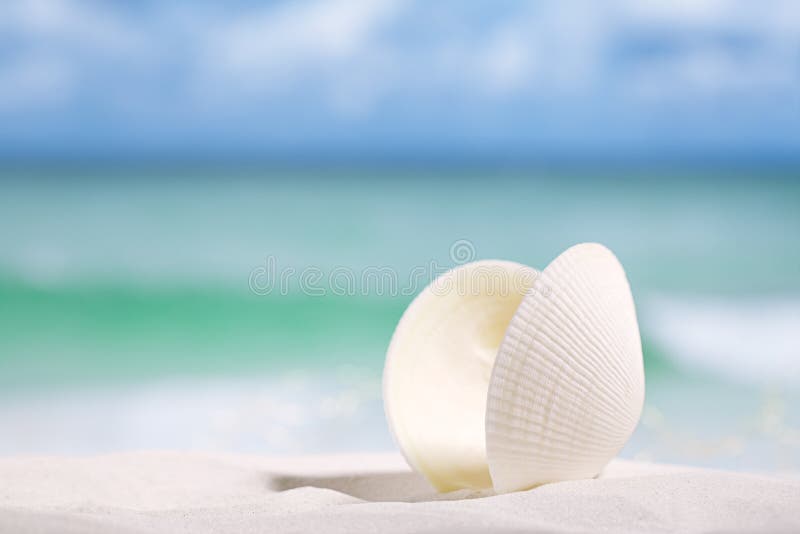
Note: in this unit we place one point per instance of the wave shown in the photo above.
(80, 332)
(747, 340)
(292, 412)
(63, 333)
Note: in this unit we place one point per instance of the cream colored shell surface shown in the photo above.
(535, 380)
(438, 367)
(567, 385)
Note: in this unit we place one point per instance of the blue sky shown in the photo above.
(372, 79)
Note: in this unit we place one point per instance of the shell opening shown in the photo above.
(439, 365)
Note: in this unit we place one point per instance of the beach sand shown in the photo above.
(155, 492)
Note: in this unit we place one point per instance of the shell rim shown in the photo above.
(401, 327)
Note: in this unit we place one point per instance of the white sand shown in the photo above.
(176, 492)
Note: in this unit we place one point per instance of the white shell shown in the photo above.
(568, 383)
(484, 387)
(438, 367)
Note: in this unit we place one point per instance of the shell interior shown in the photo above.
(438, 368)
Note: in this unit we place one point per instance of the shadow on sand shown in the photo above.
(379, 487)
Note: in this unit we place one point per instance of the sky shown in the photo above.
(356, 79)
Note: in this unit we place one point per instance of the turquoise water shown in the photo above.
(118, 288)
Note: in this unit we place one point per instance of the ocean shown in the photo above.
(250, 309)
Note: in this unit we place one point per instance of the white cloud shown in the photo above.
(72, 23)
(679, 11)
(280, 42)
(352, 55)
(35, 81)
(707, 62)
(507, 61)
(56, 44)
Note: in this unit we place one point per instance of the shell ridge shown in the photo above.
(563, 395)
(511, 426)
(508, 389)
(590, 284)
(630, 343)
(526, 444)
(580, 342)
(629, 309)
(602, 319)
(577, 330)
(587, 373)
(610, 327)
(597, 428)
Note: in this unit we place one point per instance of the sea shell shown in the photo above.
(514, 385)
(567, 386)
(438, 367)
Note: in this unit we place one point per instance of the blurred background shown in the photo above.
(159, 159)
